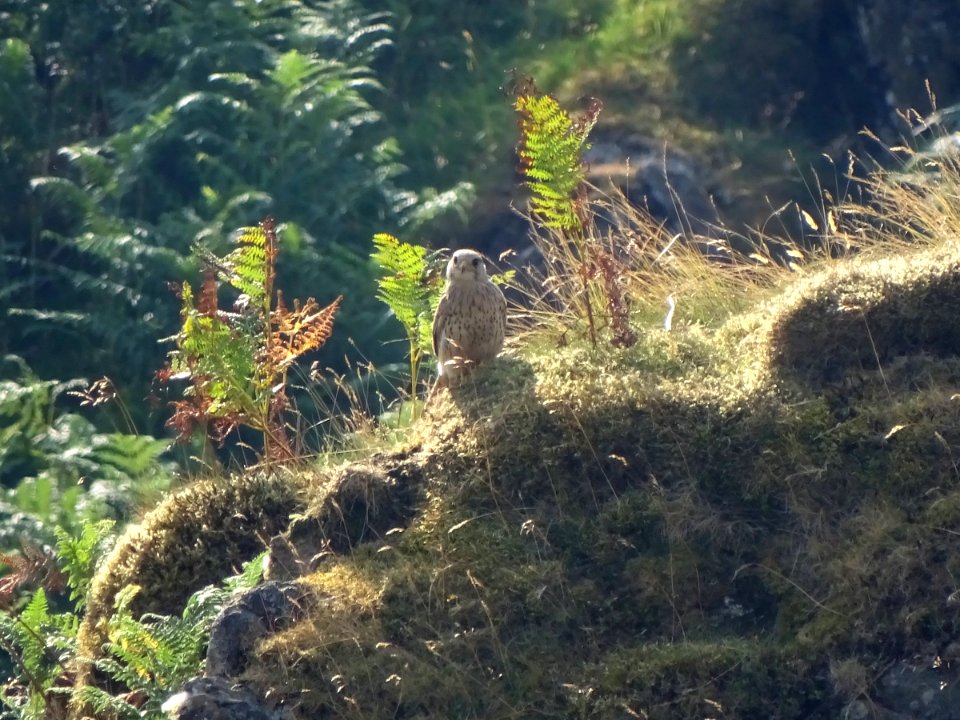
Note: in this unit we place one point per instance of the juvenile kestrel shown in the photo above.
(471, 318)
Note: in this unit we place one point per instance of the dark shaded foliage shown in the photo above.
(444, 71)
(820, 67)
(136, 131)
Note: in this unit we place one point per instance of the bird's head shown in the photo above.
(466, 264)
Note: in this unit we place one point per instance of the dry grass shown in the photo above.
(625, 251)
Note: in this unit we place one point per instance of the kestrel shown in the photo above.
(471, 318)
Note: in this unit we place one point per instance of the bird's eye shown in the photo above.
(476, 262)
(454, 259)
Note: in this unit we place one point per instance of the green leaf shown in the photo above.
(80, 556)
(552, 147)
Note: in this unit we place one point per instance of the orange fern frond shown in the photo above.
(296, 332)
(207, 297)
(31, 568)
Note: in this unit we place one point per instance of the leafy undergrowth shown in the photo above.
(715, 520)
(196, 536)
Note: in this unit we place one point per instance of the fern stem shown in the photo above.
(11, 651)
(414, 370)
(589, 309)
(588, 306)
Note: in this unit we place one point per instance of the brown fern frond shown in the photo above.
(30, 569)
(221, 426)
(269, 227)
(207, 297)
(192, 415)
(281, 310)
(611, 272)
(236, 362)
(307, 327)
(187, 417)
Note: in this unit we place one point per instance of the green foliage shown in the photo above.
(151, 656)
(412, 295)
(79, 555)
(237, 363)
(19, 140)
(42, 642)
(58, 469)
(450, 57)
(192, 119)
(583, 273)
(154, 655)
(552, 144)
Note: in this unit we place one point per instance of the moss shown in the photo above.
(742, 678)
(361, 503)
(195, 537)
(864, 314)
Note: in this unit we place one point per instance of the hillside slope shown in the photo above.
(756, 521)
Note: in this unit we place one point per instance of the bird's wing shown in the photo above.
(440, 320)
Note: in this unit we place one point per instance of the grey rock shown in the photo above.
(922, 692)
(669, 183)
(906, 41)
(216, 699)
(270, 607)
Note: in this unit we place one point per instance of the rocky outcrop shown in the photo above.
(911, 43)
(269, 608)
(216, 699)
(221, 693)
(365, 502)
(669, 184)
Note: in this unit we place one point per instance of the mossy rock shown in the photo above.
(691, 526)
(361, 503)
(195, 537)
(864, 314)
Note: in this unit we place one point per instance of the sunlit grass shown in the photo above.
(625, 60)
(685, 294)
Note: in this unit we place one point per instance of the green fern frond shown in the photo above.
(399, 283)
(150, 656)
(237, 362)
(403, 284)
(104, 704)
(37, 613)
(551, 151)
(251, 574)
(219, 360)
(61, 191)
(80, 555)
(402, 287)
(248, 267)
(131, 455)
(33, 624)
